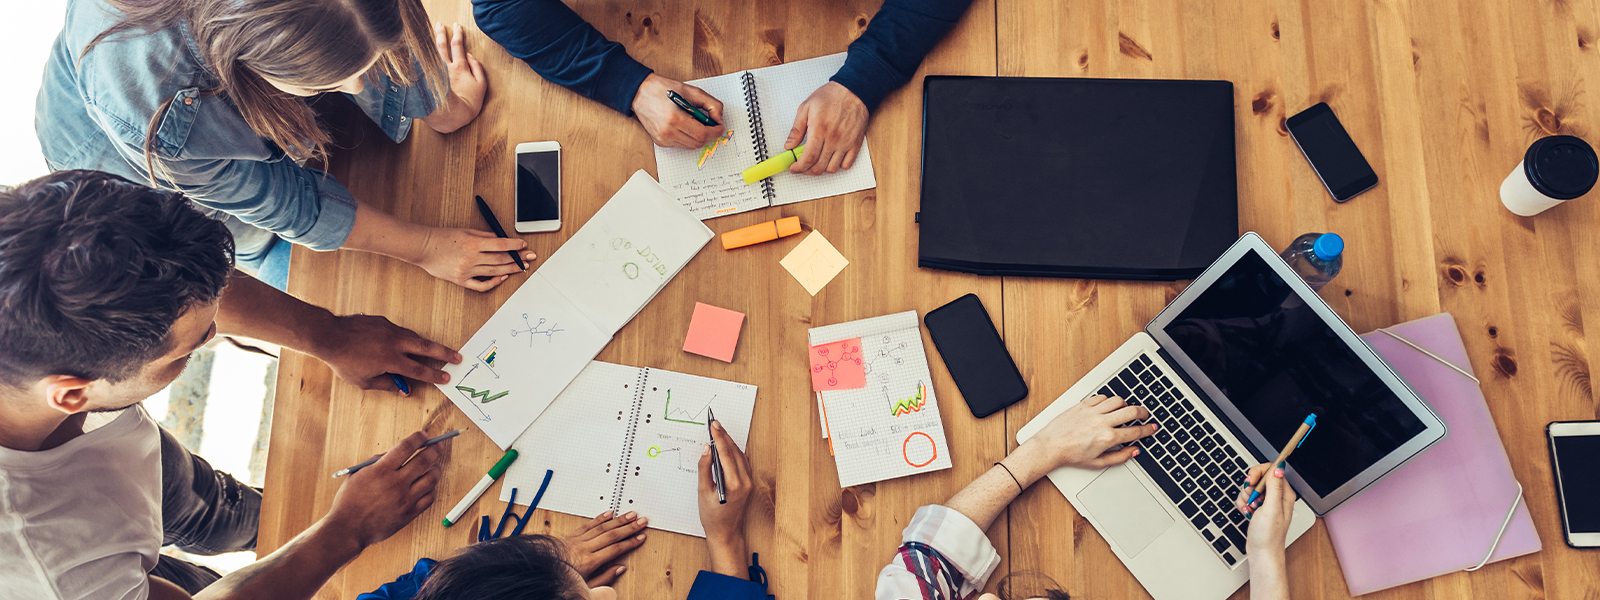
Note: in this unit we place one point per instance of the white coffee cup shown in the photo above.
(1553, 170)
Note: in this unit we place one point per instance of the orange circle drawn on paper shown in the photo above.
(907, 456)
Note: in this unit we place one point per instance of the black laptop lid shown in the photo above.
(1075, 177)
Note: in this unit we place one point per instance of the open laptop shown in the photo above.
(1229, 370)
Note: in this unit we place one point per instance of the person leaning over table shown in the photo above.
(561, 47)
(106, 288)
(542, 567)
(207, 97)
(944, 554)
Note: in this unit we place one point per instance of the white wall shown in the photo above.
(31, 27)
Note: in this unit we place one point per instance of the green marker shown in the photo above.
(478, 490)
(773, 166)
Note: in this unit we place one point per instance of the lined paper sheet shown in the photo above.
(782, 89)
(890, 428)
(584, 438)
(717, 188)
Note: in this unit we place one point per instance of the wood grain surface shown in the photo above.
(1442, 96)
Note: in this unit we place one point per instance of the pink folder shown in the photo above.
(1439, 513)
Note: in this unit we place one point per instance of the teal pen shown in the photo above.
(1283, 458)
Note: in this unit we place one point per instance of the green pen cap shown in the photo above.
(500, 467)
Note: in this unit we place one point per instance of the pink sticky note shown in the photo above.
(837, 366)
(713, 332)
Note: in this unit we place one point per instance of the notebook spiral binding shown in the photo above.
(627, 448)
(758, 136)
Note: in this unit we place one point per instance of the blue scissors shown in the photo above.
(510, 514)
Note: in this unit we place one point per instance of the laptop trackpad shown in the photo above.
(1128, 515)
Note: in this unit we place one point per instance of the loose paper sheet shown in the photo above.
(814, 262)
(713, 332)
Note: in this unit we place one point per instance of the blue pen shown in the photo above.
(1283, 458)
(400, 382)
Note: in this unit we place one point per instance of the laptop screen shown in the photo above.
(1277, 361)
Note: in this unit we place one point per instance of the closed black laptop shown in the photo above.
(1076, 177)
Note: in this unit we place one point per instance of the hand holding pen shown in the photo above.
(724, 519)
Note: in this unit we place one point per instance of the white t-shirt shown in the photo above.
(83, 520)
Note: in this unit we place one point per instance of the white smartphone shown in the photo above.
(538, 187)
(1574, 446)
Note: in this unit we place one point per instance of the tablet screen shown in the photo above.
(1277, 361)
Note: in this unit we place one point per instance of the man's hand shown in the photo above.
(364, 349)
(1085, 435)
(379, 500)
(602, 540)
(460, 256)
(668, 125)
(724, 523)
(832, 123)
(468, 84)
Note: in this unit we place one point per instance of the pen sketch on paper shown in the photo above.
(531, 329)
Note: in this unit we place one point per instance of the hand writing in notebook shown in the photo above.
(831, 122)
(724, 522)
(668, 125)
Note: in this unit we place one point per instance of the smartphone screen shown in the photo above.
(1332, 153)
(976, 356)
(1578, 477)
(538, 186)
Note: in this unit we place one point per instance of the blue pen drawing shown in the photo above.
(532, 329)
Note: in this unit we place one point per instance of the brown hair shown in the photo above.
(306, 43)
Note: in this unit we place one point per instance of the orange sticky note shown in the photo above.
(837, 366)
(714, 332)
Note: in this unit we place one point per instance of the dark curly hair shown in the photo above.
(94, 270)
(522, 567)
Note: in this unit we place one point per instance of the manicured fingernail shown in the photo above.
(640, 537)
(705, 451)
(1246, 509)
(606, 515)
(1135, 451)
(1277, 472)
(718, 425)
(644, 521)
(621, 569)
(1155, 426)
(630, 516)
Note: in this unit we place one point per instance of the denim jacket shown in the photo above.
(94, 113)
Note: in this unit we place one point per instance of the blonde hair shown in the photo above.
(306, 43)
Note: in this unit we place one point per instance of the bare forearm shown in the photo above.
(256, 310)
(988, 495)
(296, 570)
(379, 232)
(728, 556)
(1268, 576)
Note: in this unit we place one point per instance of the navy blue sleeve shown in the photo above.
(716, 586)
(406, 586)
(563, 48)
(888, 52)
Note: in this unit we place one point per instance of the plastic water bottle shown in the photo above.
(1316, 257)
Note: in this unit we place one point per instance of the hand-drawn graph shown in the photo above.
(849, 354)
(913, 404)
(533, 329)
(689, 412)
(688, 462)
(483, 396)
(888, 353)
(488, 358)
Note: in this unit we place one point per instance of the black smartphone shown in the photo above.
(1574, 445)
(1333, 155)
(976, 356)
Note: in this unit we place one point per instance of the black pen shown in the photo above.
(699, 115)
(716, 463)
(488, 215)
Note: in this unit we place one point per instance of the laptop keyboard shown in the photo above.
(1196, 468)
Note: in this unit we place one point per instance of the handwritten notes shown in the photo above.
(814, 262)
(713, 332)
(837, 366)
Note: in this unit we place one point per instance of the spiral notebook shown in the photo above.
(891, 427)
(759, 107)
(627, 438)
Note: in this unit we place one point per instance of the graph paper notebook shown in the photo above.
(1440, 512)
(567, 311)
(890, 428)
(628, 438)
(759, 106)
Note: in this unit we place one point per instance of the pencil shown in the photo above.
(1283, 457)
(368, 462)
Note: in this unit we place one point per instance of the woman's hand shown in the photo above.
(602, 540)
(468, 84)
(724, 523)
(1269, 518)
(460, 256)
(1088, 436)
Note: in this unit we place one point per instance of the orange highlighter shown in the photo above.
(764, 232)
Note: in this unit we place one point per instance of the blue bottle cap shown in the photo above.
(1328, 247)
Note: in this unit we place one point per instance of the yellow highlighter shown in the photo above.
(764, 232)
(772, 166)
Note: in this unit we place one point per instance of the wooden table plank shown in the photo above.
(1441, 95)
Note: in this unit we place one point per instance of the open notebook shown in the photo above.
(890, 428)
(627, 438)
(759, 106)
(567, 311)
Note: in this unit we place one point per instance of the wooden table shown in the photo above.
(1442, 96)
